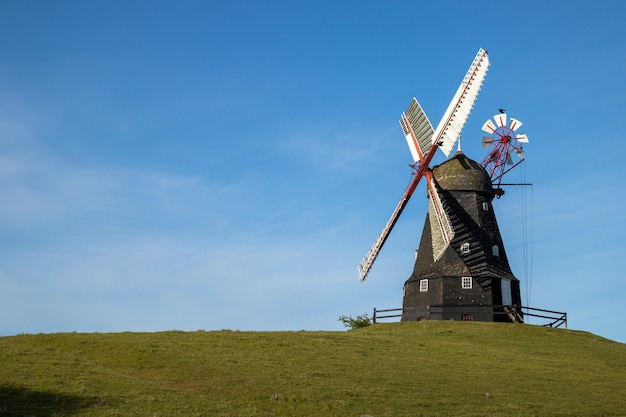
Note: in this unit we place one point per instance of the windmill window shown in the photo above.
(495, 250)
(423, 285)
(466, 283)
(485, 206)
(465, 248)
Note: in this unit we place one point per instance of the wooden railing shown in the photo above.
(551, 318)
(554, 318)
(377, 315)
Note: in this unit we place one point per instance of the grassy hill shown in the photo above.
(401, 369)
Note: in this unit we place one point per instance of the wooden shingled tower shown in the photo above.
(471, 279)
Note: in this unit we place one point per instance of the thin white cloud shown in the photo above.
(335, 151)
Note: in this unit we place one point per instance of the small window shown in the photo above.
(485, 206)
(467, 317)
(466, 283)
(495, 250)
(423, 285)
(465, 248)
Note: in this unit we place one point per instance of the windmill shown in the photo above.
(461, 269)
(423, 143)
(471, 280)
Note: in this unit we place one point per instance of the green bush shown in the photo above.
(360, 321)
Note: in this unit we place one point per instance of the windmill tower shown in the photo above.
(461, 271)
(471, 278)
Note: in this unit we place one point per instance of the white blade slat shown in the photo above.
(487, 141)
(489, 126)
(417, 129)
(449, 129)
(521, 137)
(500, 119)
(515, 124)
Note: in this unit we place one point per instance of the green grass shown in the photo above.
(402, 369)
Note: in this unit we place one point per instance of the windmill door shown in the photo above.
(507, 300)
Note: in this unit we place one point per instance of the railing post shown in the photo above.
(374, 318)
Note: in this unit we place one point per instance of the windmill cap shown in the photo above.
(460, 173)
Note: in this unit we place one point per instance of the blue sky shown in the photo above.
(226, 165)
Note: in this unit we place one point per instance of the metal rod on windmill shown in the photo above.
(423, 143)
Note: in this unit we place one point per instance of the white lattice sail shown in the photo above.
(417, 129)
(441, 228)
(449, 129)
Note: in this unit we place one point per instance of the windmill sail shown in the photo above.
(366, 264)
(417, 130)
(418, 133)
(449, 129)
(441, 228)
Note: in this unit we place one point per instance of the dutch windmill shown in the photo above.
(423, 143)
(461, 270)
(470, 278)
